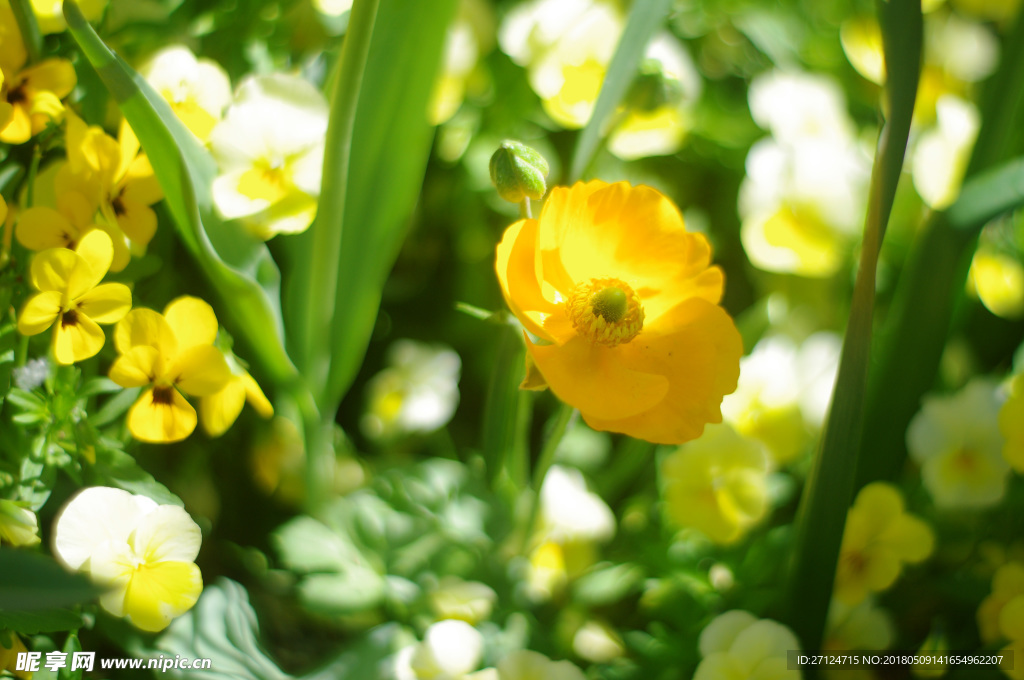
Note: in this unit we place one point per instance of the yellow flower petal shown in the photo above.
(76, 338)
(218, 411)
(167, 534)
(39, 313)
(145, 327)
(107, 303)
(97, 252)
(516, 267)
(594, 379)
(161, 415)
(51, 269)
(54, 75)
(193, 322)
(157, 593)
(254, 395)
(41, 228)
(200, 370)
(137, 220)
(139, 366)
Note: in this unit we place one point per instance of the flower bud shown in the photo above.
(518, 172)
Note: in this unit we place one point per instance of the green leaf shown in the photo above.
(71, 646)
(237, 263)
(305, 545)
(506, 414)
(830, 484)
(365, 659)
(221, 627)
(30, 582)
(645, 17)
(41, 621)
(607, 584)
(988, 195)
(354, 590)
(114, 467)
(373, 171)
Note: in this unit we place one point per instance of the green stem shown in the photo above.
(30, 35)
(33, 170)
(327, 237)
(565, 415)
(631, 459)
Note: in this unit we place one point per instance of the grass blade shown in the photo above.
(645, 17)
(830, 485)
(237, 263)
(988, 195)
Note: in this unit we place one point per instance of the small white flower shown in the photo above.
(32, 374)
(270, 150)
(449, 651)
(198, 90)
(524, 664)
(941, 153)
(568, 511)
(469, 601)
(737, 644)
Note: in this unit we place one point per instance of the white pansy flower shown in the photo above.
(270, 150)
(737, 645)
(143, 552)
(796, 107)
(568, 511)
(417, 392)
(450, 650)
(524, 664)
(198, 90)
(940, 156)
(469, 601)
(957, 442)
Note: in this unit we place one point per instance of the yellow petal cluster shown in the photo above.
(50, 13)
(30, 97)
(71, 298)
(1011, 424)
(168, 354)
(144, 553)
(220, 410)
(717, 484)
(623, 304)
(737, 645)
(1001, 614)
(880, 537)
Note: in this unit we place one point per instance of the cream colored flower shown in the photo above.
(997, 279)
(198, 90)
(469, 37)
(18, 525)
(469, 601)
(142, 552)
(524, 664)
(270, 148)
(941, 153)
(956, 441)
(450, 650)
(737, 645)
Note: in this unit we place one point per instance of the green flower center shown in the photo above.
(605, 311)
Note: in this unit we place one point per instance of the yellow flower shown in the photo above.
(1007, 586)
(30, 96)
(143, 552)
(50, 13)
(18, 526)
(469, 601)
(114, 175)
(625, 308)
(1011, 423)
(269, 148)
(470, 35)
(71, 295)
(198, 90)
(219, 411)
(40, 227)
(879, 538)
(717, 484)
(168, 354)
(998, 281)
(737, 645)
(956, 441)
(9, 657)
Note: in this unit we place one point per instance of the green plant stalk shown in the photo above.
(830, 484)
(645, 17)
(559, 427)
(504, 448)
(327, 230)
(29, 27)
(920, 319)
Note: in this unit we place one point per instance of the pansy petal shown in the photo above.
(219, 411)
(192, 321)
(157, 593)
(93, 516)
(144, 327)
(593, 379)
(77, 337)
(254, 395)
(55, 75)
(167, 534)
(40, 228)
(161, 416)
(137, 220)
(107, 303)
(139, 366)
(51, 269)
(39, 312)
(96, 251)
(141, 184)
(697, 348)
(200, 370)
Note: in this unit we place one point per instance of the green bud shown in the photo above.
(518, 172)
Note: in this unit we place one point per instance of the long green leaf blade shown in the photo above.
(830, 485)
(238, 264)
(645, 17)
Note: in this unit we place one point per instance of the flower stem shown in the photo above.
(566, 414)
(524, 209)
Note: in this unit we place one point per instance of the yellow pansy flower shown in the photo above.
(168, 353)
(18, 526)
(624, 306)
(717, 484)
(143, 552)
(1007, 586)
(71, 295)
(219, 411)
(41, 227)
(997, 279)
(198, 90)
(34, 93)
(879, 538)
(114, 175)
(1011, 424)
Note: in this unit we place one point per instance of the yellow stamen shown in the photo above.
(605, 311)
